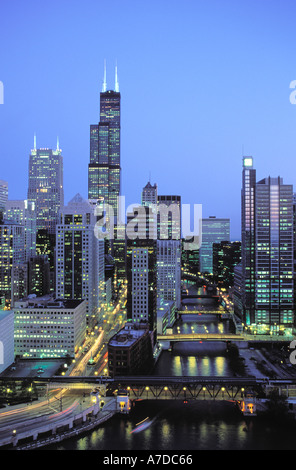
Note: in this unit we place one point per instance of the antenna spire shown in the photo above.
(116, 79)
(104, 88)
(35, 146)
(58, 143)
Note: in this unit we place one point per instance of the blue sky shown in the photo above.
(200, 81)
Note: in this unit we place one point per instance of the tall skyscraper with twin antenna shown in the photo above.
(104, 167)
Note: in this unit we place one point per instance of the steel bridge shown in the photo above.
(201, 312)
(199, 296)
(172, 387)
(198, 337)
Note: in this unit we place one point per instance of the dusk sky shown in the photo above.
(201, 81)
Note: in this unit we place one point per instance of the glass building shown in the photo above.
(3, 197)
(248, 239)
(266, 281)
(213, 231)
(226, 255)
(80, 266)
(23, 212)
(104, 172)
(45, 188)
(274, 290)
(141, 269)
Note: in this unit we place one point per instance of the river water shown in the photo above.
(195, 425)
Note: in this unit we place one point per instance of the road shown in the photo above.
(63, 402)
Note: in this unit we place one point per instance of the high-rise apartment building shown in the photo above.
(80, 258)
(214, 230)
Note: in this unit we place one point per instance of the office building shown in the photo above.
(19, 282)
(45, 327)
(214, 230)
(23, 212)
(166, 315)
(141, 258)
(274, 285)
(169, 217)
(189, 260)
(226, 255)
(80, 258)
(169, 270)
(130, 351)
(267, 266)
(6, 339)
(149, 195)
(169, 247)
(46, 192)
(104, 172)
(3, 197)
(38, 275)
(45, 187)
(12, 253)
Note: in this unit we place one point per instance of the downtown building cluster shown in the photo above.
(59, 271)
(57, 275)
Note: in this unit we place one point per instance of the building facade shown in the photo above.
(6, 339)
(45, 188)
(45, 327)
(130, 351)
(23, 212)
(80, 258)
(104, 172)
(226, 255)
(141, 259)
(12, 253)
(214, 230)
(3, 197)
(267, 265)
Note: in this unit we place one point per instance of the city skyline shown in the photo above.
(198, 93)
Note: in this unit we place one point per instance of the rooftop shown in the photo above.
(129, 335)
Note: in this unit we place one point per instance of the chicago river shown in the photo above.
(184, 424)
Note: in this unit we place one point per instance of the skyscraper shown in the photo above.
(226, 255)
(3, 197)
(46, 193)
(248, 239)
(104, 172)
(141, 270)
(169, 247)
(267, 286)
(45, 188)
(80, 258)
(214, 230)
(12, 254)
(274, 289)
(23, 212)
(149, 194)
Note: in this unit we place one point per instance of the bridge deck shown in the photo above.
(201, 337)
(201, 312)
